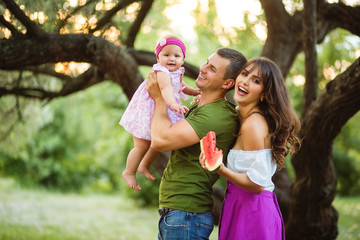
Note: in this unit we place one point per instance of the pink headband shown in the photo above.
(163, 42)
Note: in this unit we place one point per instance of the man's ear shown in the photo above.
(229, 83)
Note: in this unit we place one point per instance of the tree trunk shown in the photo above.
(283, 44)
(282, 190)
(311, 66)
(311, 214)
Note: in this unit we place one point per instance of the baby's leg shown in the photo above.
(149, 158)
(141, 146)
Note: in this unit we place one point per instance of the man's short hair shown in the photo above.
(237, 60)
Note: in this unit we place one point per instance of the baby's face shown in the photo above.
(171, 57)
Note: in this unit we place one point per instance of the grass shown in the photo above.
(39, 215)
(349, 217)
(30, 215)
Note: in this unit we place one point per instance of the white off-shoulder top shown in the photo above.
(258, 165)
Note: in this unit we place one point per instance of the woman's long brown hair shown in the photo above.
(281, 117)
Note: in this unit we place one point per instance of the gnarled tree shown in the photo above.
(306, 203)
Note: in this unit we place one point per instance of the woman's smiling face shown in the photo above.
(249, 85)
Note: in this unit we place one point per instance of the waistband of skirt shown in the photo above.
(233, 187)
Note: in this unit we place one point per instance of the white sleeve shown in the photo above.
(260, 170)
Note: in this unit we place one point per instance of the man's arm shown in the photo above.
(164, 136)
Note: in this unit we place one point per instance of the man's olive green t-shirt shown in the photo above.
(185, 185)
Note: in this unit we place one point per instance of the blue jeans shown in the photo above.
(179, 225)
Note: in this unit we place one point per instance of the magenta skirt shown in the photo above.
(247, 215)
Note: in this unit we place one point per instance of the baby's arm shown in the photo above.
(190, 90)
(167, 92)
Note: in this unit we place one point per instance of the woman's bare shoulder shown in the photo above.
(254, 130)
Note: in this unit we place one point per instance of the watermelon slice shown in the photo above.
(213, 156)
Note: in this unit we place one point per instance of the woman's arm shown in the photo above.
(253, 134)
(240, 179)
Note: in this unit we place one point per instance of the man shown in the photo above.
(185, 190)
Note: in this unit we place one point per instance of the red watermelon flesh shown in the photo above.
(213, 156)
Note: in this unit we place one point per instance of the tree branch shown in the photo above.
(148, 58)
(20, 53)
(309, 39)
(77, 9)
(9, 26)
(48, 71)
(33, 28)
(83, 81)
(28, 92)
(135, 27)
(72, 85)
(275, 14)
(336, 104)
(343, 16)
(109, 14)
(7, 133)
(106, 56)
(284, 32)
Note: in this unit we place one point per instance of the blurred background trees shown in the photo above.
(69, 67)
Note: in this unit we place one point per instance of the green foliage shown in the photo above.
(336, 54)
(76, 148)
(155, 26)
(149, 194)
(346, 158)
(349, 217)
(214, 35)
(347, 174)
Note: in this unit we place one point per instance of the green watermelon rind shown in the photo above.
(217, 163)
(201, 146)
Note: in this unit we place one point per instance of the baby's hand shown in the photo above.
(196, 92)
(180, 109)
(196, 99)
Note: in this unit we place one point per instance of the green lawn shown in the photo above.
(30, 215)
(349, 217)
(35, 214)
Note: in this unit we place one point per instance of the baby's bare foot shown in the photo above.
(131, 181)
(146, 172)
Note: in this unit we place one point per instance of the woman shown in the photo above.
(266, 136)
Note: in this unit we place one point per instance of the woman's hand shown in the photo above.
(202, 160)
(202, 163)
